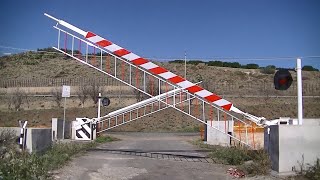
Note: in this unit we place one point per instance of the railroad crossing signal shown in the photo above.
(105, 101)
(282, 79)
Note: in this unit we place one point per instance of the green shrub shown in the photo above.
(259, 159)
(260, 165)
(103, 139)
(30, 62)
(2, 63)
(313, 171)
(231, 64)
(194, 62)
(309, 68)
(232, 155)
(251, 66)
(271, 69)
(177, 61)
(17, 165)
(215, 63)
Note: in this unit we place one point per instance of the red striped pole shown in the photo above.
(160, 71)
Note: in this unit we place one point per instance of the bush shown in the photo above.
(32, 166)
(103, 139)
(271, 69)
(232, 156)
(83, 93)
(194, 62)
(215, 63)
(17, 98)
(232, 64)
(251, 66)
(312, 172)
(138, 95)
(7, 142)
(259, 162)
(49, 49)
(309, 68)
(2, 63)
(57, 95)
(177, 61)
(94, 89)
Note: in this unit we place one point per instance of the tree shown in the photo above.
(215, 63)
(194, 62)
(138, 95)
(57, 95)
(270, 69)
(231, 64)
(177, 61)
(17, 98)
(94, 89)
(152, 88)
(252, 66)
(83, 93)
(309, 68)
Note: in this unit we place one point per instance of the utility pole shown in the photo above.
(185, 64)
(99, 108)
(299, 87)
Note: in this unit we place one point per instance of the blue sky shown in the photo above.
(234, 29)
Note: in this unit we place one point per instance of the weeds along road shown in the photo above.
(145, 156)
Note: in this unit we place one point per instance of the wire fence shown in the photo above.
(55, 82)
(310, 88)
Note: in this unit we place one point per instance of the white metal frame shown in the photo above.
(190, 96)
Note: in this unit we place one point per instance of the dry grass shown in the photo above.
(253, 162)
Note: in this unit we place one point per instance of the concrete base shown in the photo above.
(37, 139)
(292, 146)
(57, 129)
(73, 131)
(215, 137)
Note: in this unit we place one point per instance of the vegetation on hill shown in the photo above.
(267, 69)
(309, 68)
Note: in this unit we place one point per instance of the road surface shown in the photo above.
(145, 156)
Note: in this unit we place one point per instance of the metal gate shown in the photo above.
(170, 90)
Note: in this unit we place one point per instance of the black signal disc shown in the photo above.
(282, 79)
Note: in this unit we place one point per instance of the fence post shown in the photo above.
(22, 139)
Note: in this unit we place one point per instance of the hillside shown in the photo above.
(239, 83)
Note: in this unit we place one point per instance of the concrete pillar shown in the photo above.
(291, 146)
(57, 129)
(215, 137)
(37, 139)
(73, 130)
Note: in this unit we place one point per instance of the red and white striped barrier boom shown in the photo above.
(157, 70)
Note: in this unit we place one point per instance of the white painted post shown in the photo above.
(185, 64)
(299, 87)
(23, 136)
(99, 106)
(64, 116)
(65, 94)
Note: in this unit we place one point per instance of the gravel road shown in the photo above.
(145, 156)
